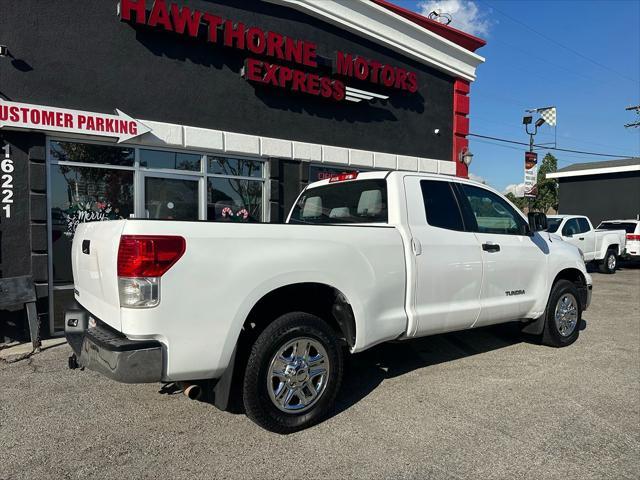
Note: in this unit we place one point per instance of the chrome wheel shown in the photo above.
(611, 262)
(566, 314)
(298, 375)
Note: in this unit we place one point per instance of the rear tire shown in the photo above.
(562, 315)
(609, 263)
(293, 373)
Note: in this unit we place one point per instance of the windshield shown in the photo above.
(628, 226)
(363, 201)
(553, 224)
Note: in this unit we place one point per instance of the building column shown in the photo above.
(460, 124)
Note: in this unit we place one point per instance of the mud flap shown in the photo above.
(223, 387)
(534, 327)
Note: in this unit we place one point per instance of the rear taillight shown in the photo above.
(631, 236)
(148, 256)
(142, 260)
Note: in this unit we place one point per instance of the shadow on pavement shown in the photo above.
(365, 371)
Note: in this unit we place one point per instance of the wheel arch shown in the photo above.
(320, 299)
(317, 298)
(572, 274)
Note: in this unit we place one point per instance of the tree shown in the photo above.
(547, 187)
(519, 202)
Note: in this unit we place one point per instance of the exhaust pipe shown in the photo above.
(191, 391)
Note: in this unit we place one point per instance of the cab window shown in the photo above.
(491, 213)
(571, 228)
(584, 225)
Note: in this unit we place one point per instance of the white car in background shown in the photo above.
(603, 247)
(632, 227)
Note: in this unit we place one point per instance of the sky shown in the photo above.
(581, 56)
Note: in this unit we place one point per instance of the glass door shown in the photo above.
(170, 197)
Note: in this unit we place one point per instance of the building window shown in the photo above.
(83, 194)
(89, 153)
(98, 182)
(234, 167)
(234, 200)
(161, 159)
(235, 189)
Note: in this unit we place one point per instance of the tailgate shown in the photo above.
(94, 257)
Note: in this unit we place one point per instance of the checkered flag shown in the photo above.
(549, 115)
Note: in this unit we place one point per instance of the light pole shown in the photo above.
(526, 121)
(530, 159)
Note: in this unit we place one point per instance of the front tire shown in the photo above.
(609, 263)
(563, 315)
(293, 373)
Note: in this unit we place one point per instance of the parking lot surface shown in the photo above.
(476, 404)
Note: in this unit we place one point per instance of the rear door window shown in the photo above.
(361, 201)
(440, 205)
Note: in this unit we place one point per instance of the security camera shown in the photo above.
(4, 50)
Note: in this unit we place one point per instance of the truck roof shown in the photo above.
(382, 174)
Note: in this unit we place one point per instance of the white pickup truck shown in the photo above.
(603, 247)
(270, 309)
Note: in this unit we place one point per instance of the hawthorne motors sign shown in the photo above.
(259, 44)
(39, 117)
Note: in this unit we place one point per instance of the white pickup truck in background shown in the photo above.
(632, 227)
(271, 309)
(603, 247)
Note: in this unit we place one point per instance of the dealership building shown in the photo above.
(217, 110)
(608, 190)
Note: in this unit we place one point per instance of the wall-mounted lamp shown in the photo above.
(4, 51)
(465, 156)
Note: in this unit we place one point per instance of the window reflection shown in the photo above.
(171, 199)
(234, 167)
(84, 194)
(88, 153)
(232, 200)
(169, 160)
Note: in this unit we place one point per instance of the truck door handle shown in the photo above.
(490, 247)
(416, 246)
(581, 238)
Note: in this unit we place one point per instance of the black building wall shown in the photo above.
(601, 197)
(23, 236)
(78, 54)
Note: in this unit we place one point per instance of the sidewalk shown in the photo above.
(14, 349)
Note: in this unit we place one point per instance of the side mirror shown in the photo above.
(537, 221)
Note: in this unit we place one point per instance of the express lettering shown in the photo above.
(296, 80)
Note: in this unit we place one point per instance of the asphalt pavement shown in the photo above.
(479, 404)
